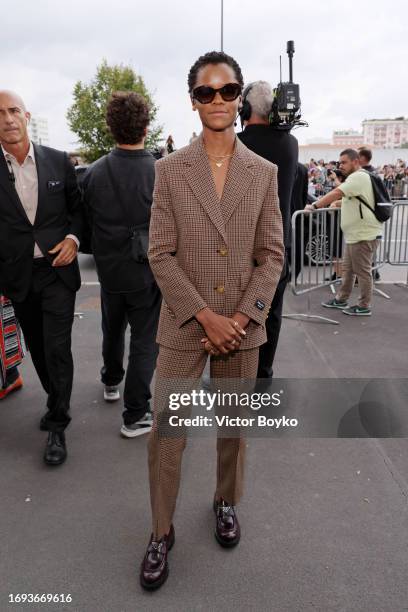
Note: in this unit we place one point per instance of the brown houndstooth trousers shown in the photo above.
(165, 453)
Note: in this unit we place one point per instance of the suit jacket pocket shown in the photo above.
(55, 187)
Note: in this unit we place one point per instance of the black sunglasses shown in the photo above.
(228, 93)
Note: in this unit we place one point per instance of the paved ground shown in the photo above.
(324, 520)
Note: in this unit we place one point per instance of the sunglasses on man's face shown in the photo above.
(228, 93)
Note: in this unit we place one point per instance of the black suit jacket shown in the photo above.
(59, 212)
(133, 173)
(280, 148)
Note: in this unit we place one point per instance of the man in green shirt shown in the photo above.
(362, 233)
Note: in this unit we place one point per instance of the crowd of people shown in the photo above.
(322, 175)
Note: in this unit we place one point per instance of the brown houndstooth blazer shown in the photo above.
(225, 254)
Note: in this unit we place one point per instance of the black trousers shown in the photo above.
(273, 325)
(141, 310)
(46, 317)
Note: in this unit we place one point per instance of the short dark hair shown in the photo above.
(127, 116)
(367, 153)
(213, 57)
(351, 154)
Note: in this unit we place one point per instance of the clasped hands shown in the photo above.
(223, 334)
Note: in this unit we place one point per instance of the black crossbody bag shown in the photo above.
(138, 234)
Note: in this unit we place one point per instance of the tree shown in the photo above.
(86, 117)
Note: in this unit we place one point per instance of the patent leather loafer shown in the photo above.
(55, 450)
(154, 570)
(227, 529)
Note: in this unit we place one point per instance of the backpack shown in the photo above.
(382, 201)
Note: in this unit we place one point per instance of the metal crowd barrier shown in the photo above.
(397, 253)
(399, 189)
(317, 247)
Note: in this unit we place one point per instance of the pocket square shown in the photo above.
(54, 184)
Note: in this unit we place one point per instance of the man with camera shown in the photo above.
(118, 191)
(278, 146)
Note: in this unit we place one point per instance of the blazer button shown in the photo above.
(220, 289)
(223, 252)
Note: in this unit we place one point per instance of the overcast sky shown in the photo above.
(350, 57)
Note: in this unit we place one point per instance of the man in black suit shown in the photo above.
(281, 148)
(40, 229)
(118, 193)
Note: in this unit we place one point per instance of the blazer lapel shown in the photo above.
(197, 172)
(9, 186)
(238, 182)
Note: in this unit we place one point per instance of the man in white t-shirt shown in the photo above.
(362, 232)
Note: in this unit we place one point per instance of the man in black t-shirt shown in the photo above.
(281, 148)
(118, 192)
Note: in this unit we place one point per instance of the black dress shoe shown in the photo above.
(155, 568)
(55, 450)
(227, 529)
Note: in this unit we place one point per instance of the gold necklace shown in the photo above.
(219, 157)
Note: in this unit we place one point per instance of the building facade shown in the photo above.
(347, 138)
(386, 133)
(38, 130)
(332, 152)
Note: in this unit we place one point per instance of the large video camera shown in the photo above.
(285, 113)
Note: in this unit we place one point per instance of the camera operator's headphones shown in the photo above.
(246, 110)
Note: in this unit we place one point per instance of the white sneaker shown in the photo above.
(111, 394)
(140, 427)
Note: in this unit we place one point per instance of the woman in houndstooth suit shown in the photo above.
(216, 252)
